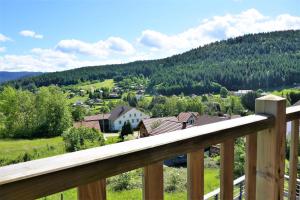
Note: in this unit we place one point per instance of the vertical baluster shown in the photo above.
(195, 174)
(250, 166)
(293, 159)
(93, 191)
(271, 149)
(153, 182)
(227, 160)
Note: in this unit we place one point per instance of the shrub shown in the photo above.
(126, 130)
(210, 163)
(223, 92)
(126, 181)
(174, 179)
(248, 100)
(82, 138)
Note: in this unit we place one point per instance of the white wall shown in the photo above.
(134, 116)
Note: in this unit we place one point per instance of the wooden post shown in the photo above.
(227, 161)
(93, 191)
(195, 175)
(271, 149)
(153, 182)
(293, 159)
(250, 166)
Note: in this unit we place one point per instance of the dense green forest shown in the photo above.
(253, 61)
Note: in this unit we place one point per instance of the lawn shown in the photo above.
(211, 182)
(109, 83)
(77, 98)
(13, 151)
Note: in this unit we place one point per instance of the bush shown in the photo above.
(174, 179)
(223, 92)
(82, 138)
(126, 130)
(210, 163)
(78, 113)
(248, 100)
(126, 181)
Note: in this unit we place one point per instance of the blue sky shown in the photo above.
(55, 35)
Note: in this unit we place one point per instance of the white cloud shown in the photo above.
(32, 34)
(151, 44)
(4, 38)
(102, 48)
(49, 60)
(218, 28)
(2, 49)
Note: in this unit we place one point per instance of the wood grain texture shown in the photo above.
(292, 113)
(226, 169)
(250, 166)
(271, 149)
(153, 182)
(293, 159)
(93, 191)
(30, 180)
(195, 175)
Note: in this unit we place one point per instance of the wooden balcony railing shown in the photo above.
(265, 134)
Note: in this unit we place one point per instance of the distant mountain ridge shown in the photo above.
(252, 61)
(8, 76)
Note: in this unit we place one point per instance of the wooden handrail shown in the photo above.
(32, 179)
(292, 113)
(88, 169)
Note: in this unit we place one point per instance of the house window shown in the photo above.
(129, 115)
(141, 114)
(135, 114)
(132, 120)
(120, 122)
(137, 120)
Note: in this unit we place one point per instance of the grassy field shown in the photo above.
(19, 150)
(109, 83)
(12, 150)
(77, 98)
(211, 182)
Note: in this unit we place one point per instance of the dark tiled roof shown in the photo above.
(155, 126)
(152, 123)
(97, 117)
(88, 124)
(118, 111)
(167, 126)
(184, 116)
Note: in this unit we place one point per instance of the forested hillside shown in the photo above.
(7, 76)
(253, 61)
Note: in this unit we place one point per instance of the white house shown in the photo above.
(122, 114)
(241, 92)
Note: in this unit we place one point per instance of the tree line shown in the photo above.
(24, 114)
(253, 61)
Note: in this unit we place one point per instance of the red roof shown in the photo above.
(155, 126)
(184, 116)
(96, 117)
(88, 124)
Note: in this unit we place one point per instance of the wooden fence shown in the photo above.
(87, 170)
